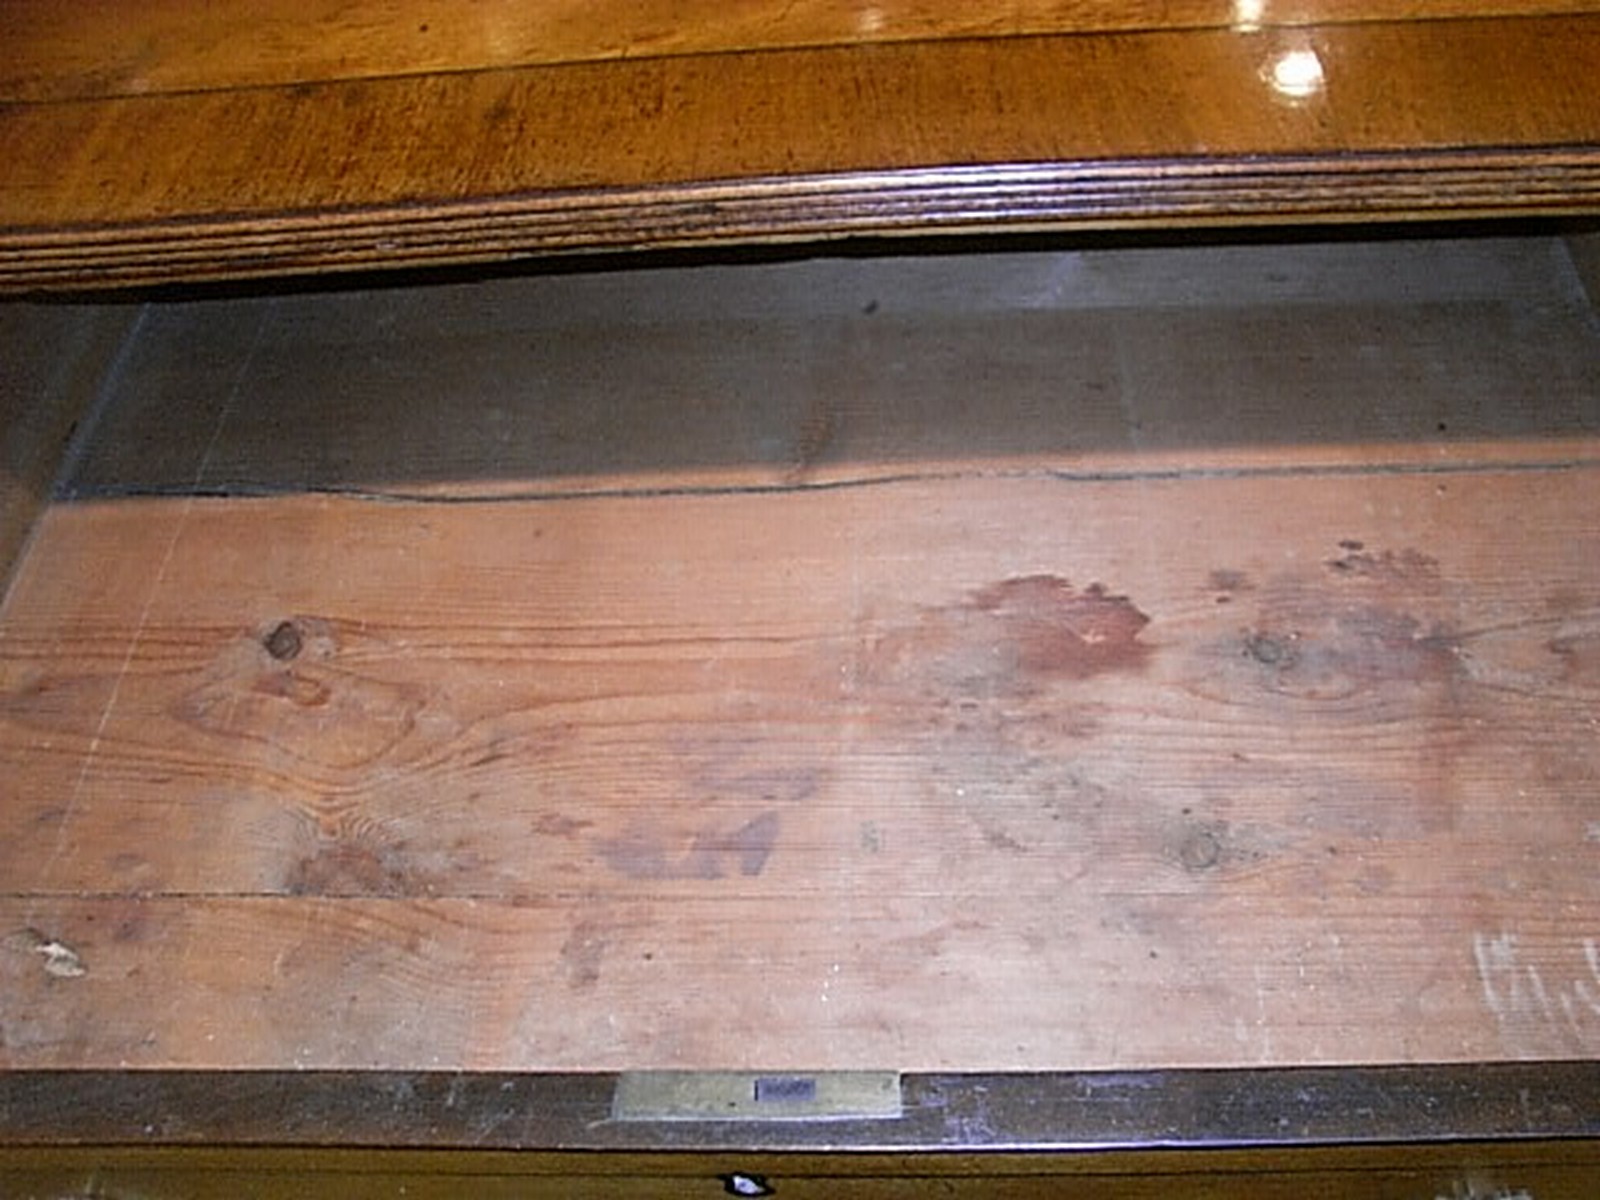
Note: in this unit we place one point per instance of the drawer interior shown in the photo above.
(1106, 656)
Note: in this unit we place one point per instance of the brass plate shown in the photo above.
(757, 1096)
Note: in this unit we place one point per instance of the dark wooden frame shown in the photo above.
(1472, 1130)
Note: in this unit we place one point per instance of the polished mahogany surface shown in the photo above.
(148, 142)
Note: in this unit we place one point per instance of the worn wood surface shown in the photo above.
(1153, 752)
(289, 151)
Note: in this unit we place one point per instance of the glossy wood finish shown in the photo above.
(140, 47)
(1066, 662)
(1407, 118)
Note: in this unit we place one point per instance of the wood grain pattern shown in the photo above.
(80, 51)
(523, 789)
(1460, 117)
(1263, 700)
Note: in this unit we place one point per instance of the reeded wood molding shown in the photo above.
(1002, 198)
(1418, 119)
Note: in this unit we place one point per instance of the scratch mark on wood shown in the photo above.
(1533, 1014)
(1497, 964)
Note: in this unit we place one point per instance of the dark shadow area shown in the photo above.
(777, 367)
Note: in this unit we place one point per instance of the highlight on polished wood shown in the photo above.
(232, 144)
(73, 52)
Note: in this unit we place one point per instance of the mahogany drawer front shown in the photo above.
(358, 138)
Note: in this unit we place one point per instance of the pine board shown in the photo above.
(633, 782)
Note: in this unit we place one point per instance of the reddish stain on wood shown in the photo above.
(1012, 638)
(1051, 628)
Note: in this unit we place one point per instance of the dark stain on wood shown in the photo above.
(360, 862)
(583, 953)
(1578, 656)
(284, 642)
(1324, 655)
(1226, 583)
(998, 839)
(1204, 845)
(1368, 620)
(747, 848)
(341, 867)
(1406, 566)
(1200, 848)
(643, 853)
(1270, 650)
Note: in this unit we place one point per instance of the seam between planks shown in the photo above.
(102, 493)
